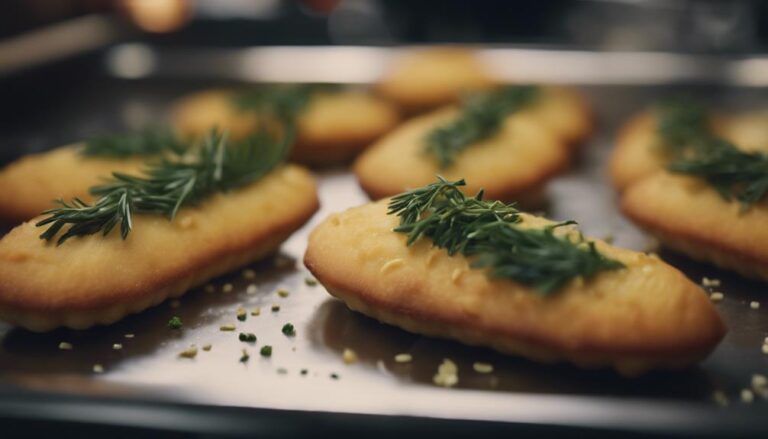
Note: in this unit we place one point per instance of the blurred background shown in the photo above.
(56, 52)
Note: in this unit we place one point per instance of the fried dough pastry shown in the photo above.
(29, 185)
(333, 128)
(96, 280)
(512, 165)
(646, 316)
(638, 153)
(427, 78)
(688, 215)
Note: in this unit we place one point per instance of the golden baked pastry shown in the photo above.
(30, 184)
(513, 164)
(688, 215)
(97, 280)
(639, 153)
(647, 315)
(332, 128)
(423, 79)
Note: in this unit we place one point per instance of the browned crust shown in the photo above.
(629, 361)
(694, 241)
(151, 290)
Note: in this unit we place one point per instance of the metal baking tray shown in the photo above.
(145, 385)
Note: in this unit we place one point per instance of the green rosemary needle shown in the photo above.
(696, 150)
(284, 102)
(481, 116)
(149, 141)
(488, 231)
(167, 185)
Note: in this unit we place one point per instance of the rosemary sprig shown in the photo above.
(166, 186)
(149, 141)
(283, 102)
(481, 117)
(487, 230)
(696, 150)
(735, 174)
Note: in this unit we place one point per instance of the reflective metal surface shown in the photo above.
(147, 367)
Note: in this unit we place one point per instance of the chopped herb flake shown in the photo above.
(289, 330)
(175, 323)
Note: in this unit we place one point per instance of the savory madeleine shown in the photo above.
(512, 165)
(97, 280)
(30, 184)
(689, 215)
(423, 79)
(638, 152)
(333, 127)
(645, 316)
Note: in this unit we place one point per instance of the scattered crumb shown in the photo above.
(311, 282)
(175, 303)
(482, 367)
(251, 289)
(245, 356)
(716, 296)
(228, 327)
(403, 358)
(707, 282)
(227, 288)
(256, 311)
(248, 274)
(283, 293)
(207, 347)
(609, 238)
(334, 376)
(720, 398)
(247, 337)
(304, 372)
(289, 330)
(447, 374)
(754, 304)
(175, 323)
(242, 314)
(647, 268)
(98, 368)
(349, 356)
(282, 371)
(117, 346)
(275, 307)
(129, 335)
(266, 351)
(747, 396)
(210, 288)
(65, 346)
(190, 352)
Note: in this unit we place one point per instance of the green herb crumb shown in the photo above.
(245, 356)
(242, 314)
(311, 282)
(266, 351)
(289, 330)
(175, 323)
(247, 337)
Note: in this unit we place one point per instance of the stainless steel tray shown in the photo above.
(147, 381)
